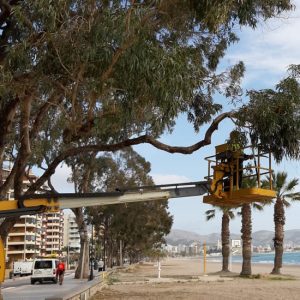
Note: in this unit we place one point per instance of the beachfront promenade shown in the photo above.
(183, 278)
(20, 288)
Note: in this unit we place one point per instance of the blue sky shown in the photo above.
(266, 52)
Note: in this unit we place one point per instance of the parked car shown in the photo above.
(44, 270)
(22, 268)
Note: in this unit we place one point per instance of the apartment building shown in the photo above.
(52, 233)
(33, 235)
(23, 242)
(71, 233)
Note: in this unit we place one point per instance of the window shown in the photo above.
(43, 264)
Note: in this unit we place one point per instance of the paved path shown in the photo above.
(22, 289)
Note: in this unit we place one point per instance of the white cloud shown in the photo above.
(169, 178)
(268, 50)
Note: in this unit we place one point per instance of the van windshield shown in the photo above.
(43, 264)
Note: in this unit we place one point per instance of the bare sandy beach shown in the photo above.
(184, 279)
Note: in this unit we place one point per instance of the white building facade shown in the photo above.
(71, 238)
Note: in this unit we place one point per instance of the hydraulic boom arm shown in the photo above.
(39, 203)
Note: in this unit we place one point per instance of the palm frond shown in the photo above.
(267, 202)
(209, 217)
(210, 214)
(296, 197)
(291, 185)
(280, 180)
(293, 196)
(231, 215)
(286, 203)
(257, 206)
(210, 211)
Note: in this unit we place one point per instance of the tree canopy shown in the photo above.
(139, 226)
(91, 76)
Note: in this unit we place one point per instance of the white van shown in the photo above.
(44, 270)
(22, 268)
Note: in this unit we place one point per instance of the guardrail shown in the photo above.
(96, 285)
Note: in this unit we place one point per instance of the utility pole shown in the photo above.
(121, 253)
(91, 255)
(24, 252)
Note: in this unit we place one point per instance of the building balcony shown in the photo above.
(21, 233)
(22, 242)
(15, 243)
(49, 225)
(53, 249)
(23, 225)
(50, 237)
(52, 230)
(21, 251)
(53, 243)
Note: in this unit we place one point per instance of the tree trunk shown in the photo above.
(246, 239)
(82, 270)
(225, 241)
(279, 220)
(6, 226)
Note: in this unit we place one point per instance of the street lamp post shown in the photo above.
(24, 252)
(91, 256)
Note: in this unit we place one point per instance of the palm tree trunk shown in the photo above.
(279, 220)
(246, 239)
(225, 241)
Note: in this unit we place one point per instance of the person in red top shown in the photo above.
(60, 271)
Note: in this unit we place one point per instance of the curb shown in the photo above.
(86, 292)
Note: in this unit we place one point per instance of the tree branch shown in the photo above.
(25, 150)
(127, 143)
(7, 117)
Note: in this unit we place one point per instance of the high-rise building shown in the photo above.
(33, 235)
(52, 233)
(23, 242)
(71, 233)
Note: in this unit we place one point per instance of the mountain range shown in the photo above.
(262, 237)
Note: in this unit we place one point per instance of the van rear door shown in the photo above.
(44, 268)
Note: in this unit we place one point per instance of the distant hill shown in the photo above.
(178, 236)
(262, 237)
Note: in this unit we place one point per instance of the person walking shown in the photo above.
(60, 272)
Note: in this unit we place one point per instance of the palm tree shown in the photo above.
(246, 230)
(225, 233)
(284, 193)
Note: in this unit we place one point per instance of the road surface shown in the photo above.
(22, 289)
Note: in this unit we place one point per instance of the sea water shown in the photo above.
(289, 258)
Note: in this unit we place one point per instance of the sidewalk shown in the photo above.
(77, 289)
(19, 288)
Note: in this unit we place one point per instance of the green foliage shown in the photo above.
(274, 117)
(284, 188)
(140, 226)
(100, 72)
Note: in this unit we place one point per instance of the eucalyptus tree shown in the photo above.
(138, 226)
(225, 233)
(284, 192)
(94, 76)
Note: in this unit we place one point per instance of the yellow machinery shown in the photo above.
(39, 203)
(226, 187)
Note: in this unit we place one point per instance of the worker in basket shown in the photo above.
(230, 157)
(60, 272)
